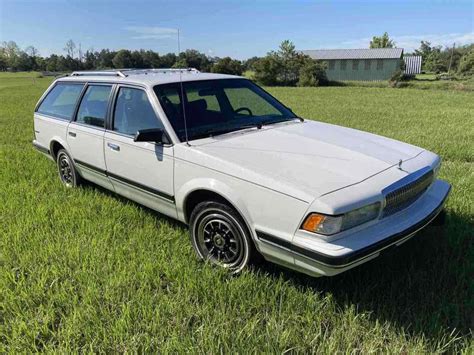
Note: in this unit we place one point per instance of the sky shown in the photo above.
(239, 29)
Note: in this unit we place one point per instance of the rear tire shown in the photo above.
(66, 169)
(219, 235)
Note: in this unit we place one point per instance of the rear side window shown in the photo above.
(133, 112)
(61, 101)
(93, 107)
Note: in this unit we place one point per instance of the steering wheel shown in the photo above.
(244, 109)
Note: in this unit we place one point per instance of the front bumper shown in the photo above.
(335, 257)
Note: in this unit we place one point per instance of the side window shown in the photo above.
(367, 64)
(170, 100)
(61, 101)
(379, 64)
(93, 107)
(343, 64)
(134, 112)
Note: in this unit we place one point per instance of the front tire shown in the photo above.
(66, 169)
(219, 235)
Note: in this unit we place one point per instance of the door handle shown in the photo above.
(113, 146)
(72, 134)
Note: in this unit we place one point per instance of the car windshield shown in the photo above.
(214, 107)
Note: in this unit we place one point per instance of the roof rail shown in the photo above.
(163, 70)
(100, 73)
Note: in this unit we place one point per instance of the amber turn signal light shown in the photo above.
(313, 221)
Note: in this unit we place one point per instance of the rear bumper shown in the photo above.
(39, 147)
(42, 149)
(316, 262)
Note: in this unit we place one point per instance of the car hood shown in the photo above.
(302, 159)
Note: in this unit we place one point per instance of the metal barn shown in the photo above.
(359, 64)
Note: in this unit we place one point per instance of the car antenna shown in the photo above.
(182, 94)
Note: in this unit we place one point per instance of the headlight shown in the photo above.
(327, 225)
(360, 215)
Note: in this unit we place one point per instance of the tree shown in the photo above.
(249, 63)
(312, 73)
(123, 59)
(167, 60)
(10, 52)
(70, 48)
(466, 64)
(61, 64)
(382, 42)
(33, 54)
(3, 63)
(267, 69)
(227, 65)
(434, 62)
(150, 59)
(291, 61)
(24, 62)
(137, 61)
(31, 51)
(193, 59)
(105, 58)
(90, 60)
(288, 67)
(424, 51)
(180, 63)
(51, 63)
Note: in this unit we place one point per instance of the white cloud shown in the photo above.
(152, 32)
(411, 42)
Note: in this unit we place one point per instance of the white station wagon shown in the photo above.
(247, 175)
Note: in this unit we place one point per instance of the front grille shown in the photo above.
(402, 197)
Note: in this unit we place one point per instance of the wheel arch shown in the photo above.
(196, 191)
(55, 145)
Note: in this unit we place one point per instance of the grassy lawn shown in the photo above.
(86, 270)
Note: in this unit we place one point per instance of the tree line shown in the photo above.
(285, 66)
(13, 58)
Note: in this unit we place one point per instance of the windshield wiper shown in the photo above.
(216, 132)
(270, 122)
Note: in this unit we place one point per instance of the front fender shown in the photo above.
(215, 186)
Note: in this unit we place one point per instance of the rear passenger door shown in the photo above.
(141, 171)
(85, 134)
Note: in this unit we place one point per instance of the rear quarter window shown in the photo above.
(61, 101)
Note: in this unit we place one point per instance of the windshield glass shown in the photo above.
(220, 106)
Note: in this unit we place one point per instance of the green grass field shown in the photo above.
(85, 270)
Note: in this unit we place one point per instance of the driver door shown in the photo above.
(140, 171)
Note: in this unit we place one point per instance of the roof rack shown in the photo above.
(163, 70)
(100, 73)
(123, 73)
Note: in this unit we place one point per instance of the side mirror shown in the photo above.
(155, 135)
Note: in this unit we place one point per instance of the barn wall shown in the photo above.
(362, 73)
